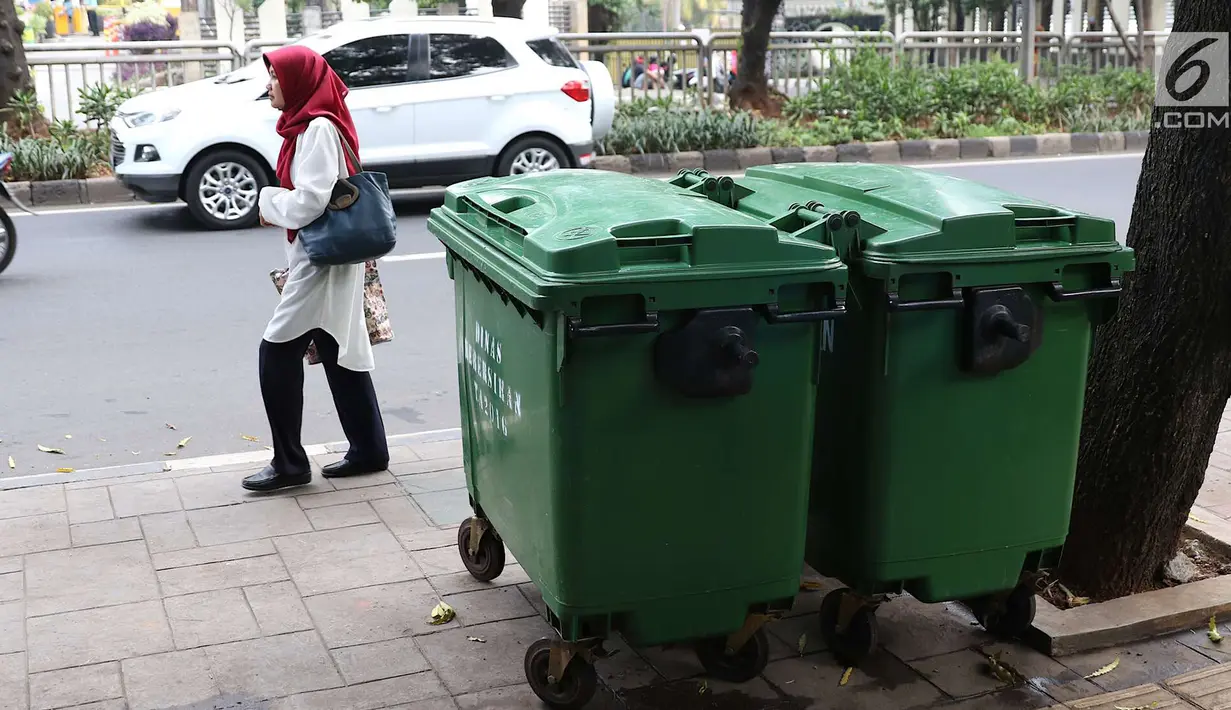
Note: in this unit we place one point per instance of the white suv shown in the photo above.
(436, 101)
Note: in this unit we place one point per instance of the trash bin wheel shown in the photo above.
(739, 667)
(858, 640)
(1009, 617)
(488, 562)
(571, 692)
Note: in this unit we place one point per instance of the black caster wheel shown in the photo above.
(488, 562)
(1010, 617)
(571, 692)
(739, 667)
(852, 645)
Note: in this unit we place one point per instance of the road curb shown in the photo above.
(109, 191)
(905, 151)
(207, 462)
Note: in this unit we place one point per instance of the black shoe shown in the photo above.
(270, 480)
(345, 467)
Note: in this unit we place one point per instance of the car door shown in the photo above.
(377, 72)
(464, 94)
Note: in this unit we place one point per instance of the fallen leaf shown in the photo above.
(65, 470)
(476, 639)
(102, 439)
(170, 453)
(846, 676)
(49, 450)
(166, 466)
(1001, 670)
(442, 614)
(171, 427)
(1213, 633)
(12, 463)
(183, 442)
(1196, 519)
(1105, 669)
(1136, 707)
(803, 643)
(245, 437)
(704, 687)
(807, 585)
(68, 436)
(135, 453)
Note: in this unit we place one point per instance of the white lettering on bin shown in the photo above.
(495, 400)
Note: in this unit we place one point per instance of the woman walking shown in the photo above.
(320, 304)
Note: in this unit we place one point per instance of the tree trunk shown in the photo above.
(751, 89)
(1160, 374)
(507, 8)
(14, 71)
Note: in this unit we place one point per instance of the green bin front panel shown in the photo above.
(632, 509)
(927, 477)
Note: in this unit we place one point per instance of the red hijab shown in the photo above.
(311, 90)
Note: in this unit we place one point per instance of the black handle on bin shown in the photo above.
(955, 303)
(1056, 290)
(577, 330)
(773, 316)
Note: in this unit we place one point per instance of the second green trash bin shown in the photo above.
(951, 395)
(637, 366)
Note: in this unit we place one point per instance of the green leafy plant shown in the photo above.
(24, 109)
(48, 159)
(99, 102)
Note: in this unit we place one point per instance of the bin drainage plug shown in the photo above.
(733, 345)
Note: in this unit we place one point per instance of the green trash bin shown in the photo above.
(950, 405)
(633, 365)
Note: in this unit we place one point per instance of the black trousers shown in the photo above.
(281, 369)
(96, 27)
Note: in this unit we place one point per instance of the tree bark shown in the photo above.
(1160, 374)
(14, 71)
(751, 89)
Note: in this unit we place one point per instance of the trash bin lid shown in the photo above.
(542, 236)
(911, 217)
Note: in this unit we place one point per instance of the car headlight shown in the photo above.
(146, 118)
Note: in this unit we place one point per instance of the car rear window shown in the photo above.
(553, 52)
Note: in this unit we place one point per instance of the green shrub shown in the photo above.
(73, 158)
(676, 130)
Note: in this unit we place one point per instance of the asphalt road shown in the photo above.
(116, 323)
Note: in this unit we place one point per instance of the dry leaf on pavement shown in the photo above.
(442, 614)
(12, 463)
(1105, 669)
(183, 442)
(846, 676)
(49, 450)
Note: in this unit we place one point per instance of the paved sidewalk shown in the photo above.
(177, 589)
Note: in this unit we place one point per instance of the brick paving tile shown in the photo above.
(194, 556)
(89, 506)
(210, 618)
(36, 533)
(466, 666)
(380, 478)
(335, 560)
(406, 520)
(342, 516)
(12, 586)
(1043, 672)
(89, 577)
(169, 680)
(12, 627)
(371, 614)
(487, 605)
(1147, 696)
(37, 500)
(13, 681)
(1209, 688)
(131, 499)
(75, 686)
(960, 674)
(883, 683)
(105, 532)
(354, 495)
(111, 633)
(380, 660)
(244, 572)
(278, 608)
(167, 532)
(368, 696)
(273, 667)
(462, 581)
(1140, 663)
(248, 521)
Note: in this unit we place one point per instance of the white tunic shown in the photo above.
(325, 297)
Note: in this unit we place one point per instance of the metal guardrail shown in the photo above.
(693, 66)
(61, 70)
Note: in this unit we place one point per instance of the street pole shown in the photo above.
(1028, 23)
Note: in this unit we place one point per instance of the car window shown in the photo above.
(375, 61)
(454, 55)
(553, 52)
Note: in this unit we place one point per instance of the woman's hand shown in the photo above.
(263, 222)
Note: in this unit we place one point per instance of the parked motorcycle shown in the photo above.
(8, 232)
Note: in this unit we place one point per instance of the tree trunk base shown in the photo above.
(761, 99)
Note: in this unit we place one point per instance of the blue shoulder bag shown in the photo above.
(357, 225)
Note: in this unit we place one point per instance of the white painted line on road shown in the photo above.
(201, 462)
(415, 257)
(89, 210)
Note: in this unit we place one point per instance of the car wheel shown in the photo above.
(531, 155)
(222, 189)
